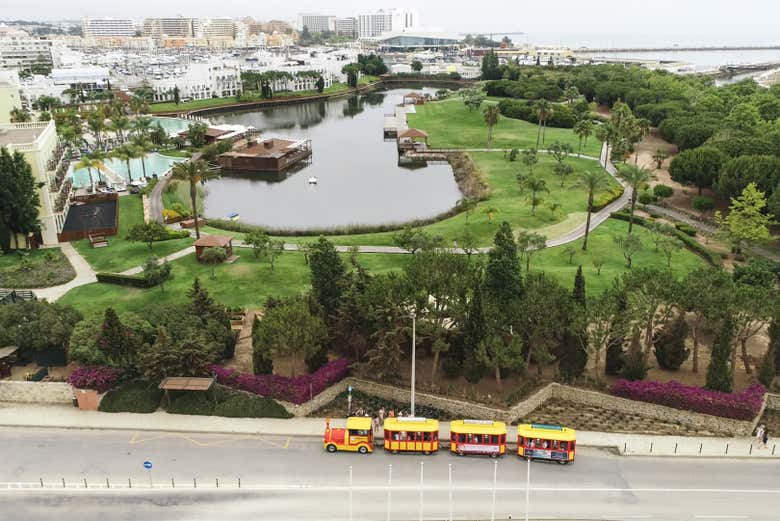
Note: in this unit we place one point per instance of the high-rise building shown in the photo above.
(347, 27)
(371, 25)
(23, 52)
(404, 20)
(175, 27)
(219, 28)
(107, 27)
(316, 23)
(9, 95)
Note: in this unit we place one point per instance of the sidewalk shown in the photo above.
(66, 417)
(84, 275)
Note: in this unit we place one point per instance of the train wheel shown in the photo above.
(331, 448)
(494, 455)
(426, 452)
(394, 451)
(363, 449)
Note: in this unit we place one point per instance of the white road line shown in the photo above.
(719, 516)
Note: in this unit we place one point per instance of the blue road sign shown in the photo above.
(147, 465)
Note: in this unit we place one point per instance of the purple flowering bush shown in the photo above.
(739, 406)
(98, 378)
(296, 390)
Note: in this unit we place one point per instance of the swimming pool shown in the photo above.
(155, 164)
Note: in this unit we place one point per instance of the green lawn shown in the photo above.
(601, 246)
(451, 125)
(121, 254)
(245, 283)
(34, 269)
(175, 152)
(506, 196)
(336, 88)
(366, 79)
(178, 192)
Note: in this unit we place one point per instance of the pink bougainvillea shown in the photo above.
(99, 378)
(296, 390)
(744, 405)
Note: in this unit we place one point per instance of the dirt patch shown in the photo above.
(589, 418)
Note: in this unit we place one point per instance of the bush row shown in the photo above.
(133, 281)
(230, 404)
(605, 198)
(137, 396)
(739, 406)
(296, 390)
(561, 117)
(690, 242)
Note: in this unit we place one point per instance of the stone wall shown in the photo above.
(321, 400)
(773, 402)
(36, 392)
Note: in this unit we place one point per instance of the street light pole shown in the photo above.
(414, 356)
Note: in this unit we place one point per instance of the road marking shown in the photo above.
(135, 440)
(719, 516)
(287, 443)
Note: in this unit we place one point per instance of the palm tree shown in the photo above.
(98, 156)
(120, 125)
(635, 176)
(536, 185)
(96, 124)
(143, 146)
(141, 126)
(194, 172)
(571, 93)
(593, 182)
(490, 211)
(89, 163)
(491, 115)
(139, 104)
(543, 110)
(583, 129)
(126, 153)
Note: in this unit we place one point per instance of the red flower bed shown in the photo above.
(739, 406)
(99, 378)
(296, 390)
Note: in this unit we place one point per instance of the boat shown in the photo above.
(233, 217)
(313, 180)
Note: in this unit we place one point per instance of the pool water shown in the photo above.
(155, 164)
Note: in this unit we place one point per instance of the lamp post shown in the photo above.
(414, 356)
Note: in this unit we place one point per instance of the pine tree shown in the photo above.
(767, 371)
(774, 340)
(670, 350)
(201, 303)
(113, 340)
(573, 355)
(263, 362)
(578, 294)
(328, 275)
(474, 331)
(503, 280)
(719, 372)
(635, 367)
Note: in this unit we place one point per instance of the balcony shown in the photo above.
(57, 168)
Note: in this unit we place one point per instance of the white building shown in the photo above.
(173, 27)
(107, 27)
(200, 81)
(316, 23)
(22, 52)
(347, 27)
(371, 25)
(9, 95)
(219, 28)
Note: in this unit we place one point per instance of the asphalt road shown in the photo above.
(289, 479)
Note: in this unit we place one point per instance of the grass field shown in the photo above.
(451, 125)
(336, 88)
(121, 254)
(34, 269)
(508, 198)
(245, 283)
(179, 192)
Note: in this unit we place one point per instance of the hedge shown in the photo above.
(241, 405)
(200, 403)
(606, 198)
(743, 406)
(561, 117)
(99, 378)
(296, 390)
(138, 396)
(690, 243)
(133, 281)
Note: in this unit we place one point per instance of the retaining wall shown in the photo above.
(773, 402)
(36, 392)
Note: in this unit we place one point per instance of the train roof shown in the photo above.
(359, 423)
(546, 432)
(411, 424)
(477, 427)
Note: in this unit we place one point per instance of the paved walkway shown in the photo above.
(173, 256)
(84, 275)
(63, 416)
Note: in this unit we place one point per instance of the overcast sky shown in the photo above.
(729, 21)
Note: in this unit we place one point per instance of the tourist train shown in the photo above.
(466, 437)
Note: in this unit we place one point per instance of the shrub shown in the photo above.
(687, 229)
(296, 390)
(98, 378)
(138, 396)
(663, 191)
(615, 357)
(124, 280)
(198, 403)
(240, 405)
(670, 350)
(646, 197)
(767, 371)
(739, 406)
(605, 198)
(703, 203)
(451, 367)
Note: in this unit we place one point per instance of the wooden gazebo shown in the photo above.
(185, 383)
(214, 241)
(413, 139)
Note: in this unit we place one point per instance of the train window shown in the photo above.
(402, 435)
(564, 445)
(478, 438)
(520, 440)
(427, 436)
(494, 439)
(462, 438)
(453, 437)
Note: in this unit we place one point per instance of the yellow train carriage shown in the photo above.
(547, 442)
(484, 437)
(408, 434)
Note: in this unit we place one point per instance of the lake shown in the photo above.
(359, 180)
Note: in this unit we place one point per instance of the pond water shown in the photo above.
(155, 164)
(172, 125)
(359, 180)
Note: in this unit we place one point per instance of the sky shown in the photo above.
(672, 21)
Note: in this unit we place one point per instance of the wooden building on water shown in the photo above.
(266, 155)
